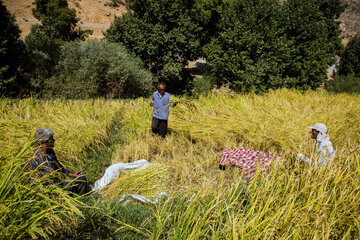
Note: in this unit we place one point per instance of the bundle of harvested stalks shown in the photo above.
(147, 182)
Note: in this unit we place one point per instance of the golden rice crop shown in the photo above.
(78, 124)
(294, 201)
(148, 182)
(200, 129)
(276, 120)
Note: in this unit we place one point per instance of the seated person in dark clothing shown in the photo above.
(44, 161)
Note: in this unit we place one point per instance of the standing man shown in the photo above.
(161, 103)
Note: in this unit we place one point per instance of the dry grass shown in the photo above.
(147, 182)
(78, 125)
(200, 129)
(294, 201)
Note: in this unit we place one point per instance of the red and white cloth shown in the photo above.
(247, 160)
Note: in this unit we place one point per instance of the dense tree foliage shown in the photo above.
(313, 28)
(61, 18)
(207, 13)
(347, 79)
(58, 26)
(164, 34)
(268, 44)
(98, 69)
(251, 50)
(344, 83)
(10, 49)
(350, 58)
(251, 45)
(42, 56)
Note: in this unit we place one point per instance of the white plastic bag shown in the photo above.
(126, 198)
(113, 172)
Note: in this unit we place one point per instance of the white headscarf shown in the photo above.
(321, 128)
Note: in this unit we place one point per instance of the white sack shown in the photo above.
(126, 198)
(112, 172)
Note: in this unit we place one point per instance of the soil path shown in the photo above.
(98, 28)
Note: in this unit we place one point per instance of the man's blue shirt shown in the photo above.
(161, 105)
(46, 163)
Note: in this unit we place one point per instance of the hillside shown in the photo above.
(94, 14)
(350, 20)
(97, 15)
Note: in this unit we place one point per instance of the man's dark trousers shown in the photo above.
(77, 185)
(159, 126)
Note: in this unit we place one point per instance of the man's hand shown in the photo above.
(151, 104)
(76, 174)
(294, 152)
(175, 103)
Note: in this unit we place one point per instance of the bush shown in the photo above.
(348, 84)
(202, 85)
(350, 58)
(98, 69)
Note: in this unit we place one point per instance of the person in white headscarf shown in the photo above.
(324, 150)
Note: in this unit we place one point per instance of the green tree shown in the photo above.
(61, 18)
(269, 44)
(163, 34)
(98, 69)
(344, 83)
(350, 58)
(42, 53)
(10, 49)
(251, 50)
(58, 26)
(207, 14)
(314, 31)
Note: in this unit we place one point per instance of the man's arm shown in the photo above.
(56, 164)
(299, 156)
(38, 162)
(65, 170)
(175, 103)
(304, 158)
(152, 102)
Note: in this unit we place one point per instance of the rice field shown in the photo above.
(294, 200)
(78, 125)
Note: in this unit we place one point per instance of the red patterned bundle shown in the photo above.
(247, 160)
